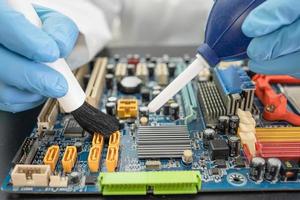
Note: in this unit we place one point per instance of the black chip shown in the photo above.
(239, 163)
(218, 149)
(73, 129)
(90, 180)
(220, 163)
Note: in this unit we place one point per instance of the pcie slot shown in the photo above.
(48, 115)
(96, 83)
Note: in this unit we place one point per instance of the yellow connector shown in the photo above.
(114, 139)
(127, 108)
(94, 158)
(98, 139)
(51, 156)
(69, 158)
(112, 157)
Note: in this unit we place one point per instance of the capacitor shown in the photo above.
(208, 134)
(144, 111)
(234, 121)
(222, 125)
(110, 69)
(109, 81)
(116, 57)
(166, 109)
(166, 59)
(130, 69)
(187, 157)
(147, 57)
(112, 99)
(121, 124)
(111, 108)
(157, 87)
(78, 146)
(257, 169)
(151, 68)
(130, 85)
(155, 93)
(174, 110)
(145, 93)
(186, 58)
(144, 121)
(234, 144)
(171, 68)
(273, 166)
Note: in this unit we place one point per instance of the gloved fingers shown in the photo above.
(62, 29)
(20, 107)
(34, 77)
(270, 16)
(284, 65)
(12, 95)
(281, 42)
(22, 37)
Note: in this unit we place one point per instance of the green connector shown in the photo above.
(139, 183)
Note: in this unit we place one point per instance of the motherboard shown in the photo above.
(227, 130)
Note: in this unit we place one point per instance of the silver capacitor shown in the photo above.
(273, 166)
(257, 169)
(234, 144)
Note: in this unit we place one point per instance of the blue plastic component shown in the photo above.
(233, 79)
(224, 39)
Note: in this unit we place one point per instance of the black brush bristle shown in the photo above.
(94, 121)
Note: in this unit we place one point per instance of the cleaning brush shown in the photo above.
(88, 117)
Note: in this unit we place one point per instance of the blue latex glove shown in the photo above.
(275, 26)
(24, 80)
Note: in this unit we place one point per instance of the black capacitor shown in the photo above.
(130, 85)
(117, 57)
(74, 177)
(147, 57)
(109, 80)
(186, 58)
(234, 144)
(78, 146)
(174, 110)
(121, 124)
(144, 111)
(145, 93)
(110, 69)
(166, 59)
(155, 93)
(112, 99)
(222, 125)
(166, 109)
(273, 166)
(111, 108)
(130, 69)
(208, 135)
(156, 87)
(234, 121)
(257, 169)
(171, 69)
(151, 68)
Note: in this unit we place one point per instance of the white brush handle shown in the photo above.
(178, 83)
(75, 96)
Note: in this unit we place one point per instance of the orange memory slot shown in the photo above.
(51, 156)
(69, 158)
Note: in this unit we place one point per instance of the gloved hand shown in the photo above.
(275, 26)
(24, 80)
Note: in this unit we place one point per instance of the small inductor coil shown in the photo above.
(111, 108)
(174, 110)
(272, 169)
(222, 125)
(109, 81)
(144, 111)
(233, 124)
(234, 144)
(208, 134)
(257, 169)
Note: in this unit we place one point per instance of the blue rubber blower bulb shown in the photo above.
(224, 39)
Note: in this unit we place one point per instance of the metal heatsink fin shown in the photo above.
(162, 141)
